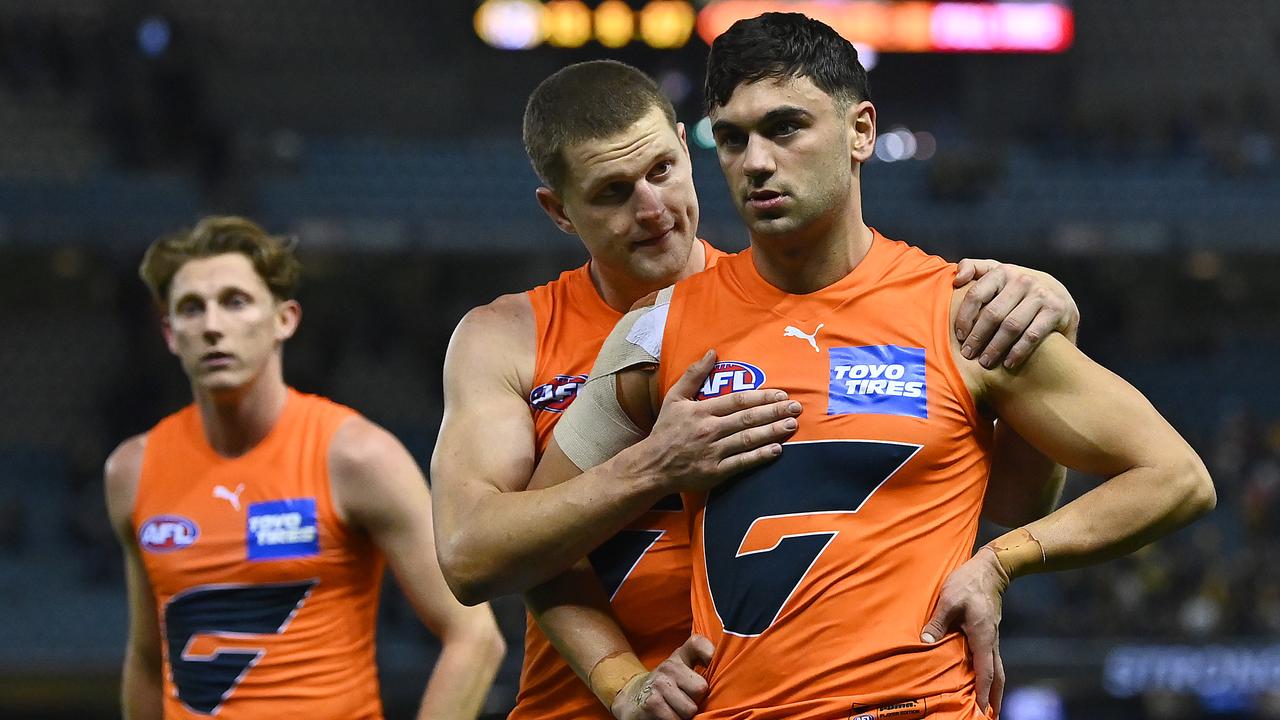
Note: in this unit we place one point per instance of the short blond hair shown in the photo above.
(272, 256)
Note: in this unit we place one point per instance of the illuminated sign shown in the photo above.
(917, 26)
(1027, 27)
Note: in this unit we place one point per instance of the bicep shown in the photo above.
(1080, 414)
(144, 624)
(486, 440)
(121, 476)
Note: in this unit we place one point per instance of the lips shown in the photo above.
(653, 240)
(765, 199)
(217, 359)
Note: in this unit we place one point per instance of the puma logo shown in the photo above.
(222, 493)
(795, 332)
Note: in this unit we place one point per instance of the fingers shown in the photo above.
(672, 695)
(977, 297)
(940, 623)
(676, 686)
(1011, 329)
(735, 402)
(646, 701)
(993, 313)
(997, 687)
(969, 269)
(690, 381)
(1040, 328)
(695, 651)
(981, 644)
(761, 415)
(744, 461)
(749, 440)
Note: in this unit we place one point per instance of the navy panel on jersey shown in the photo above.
(204, 682)
(750, 589)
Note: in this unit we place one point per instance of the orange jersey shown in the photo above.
(644, 568)
(815, 574)
(267, 602)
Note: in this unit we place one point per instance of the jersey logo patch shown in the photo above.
(166, 533)
(731, 376)
(556, 395)
(283, 529)
(878, 380)
(811, 338)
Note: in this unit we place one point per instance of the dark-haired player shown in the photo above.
(815, 574)
(616, 172)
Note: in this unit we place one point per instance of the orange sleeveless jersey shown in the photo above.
(267, 602)
(815, 574)
(644, 568)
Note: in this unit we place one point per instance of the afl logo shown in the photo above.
(165, 533)
(556, 395)
(731, 376)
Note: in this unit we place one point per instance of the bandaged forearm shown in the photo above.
(1018, 552)
(595, 427)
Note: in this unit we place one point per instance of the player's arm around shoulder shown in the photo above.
(1087, 418)
(378, 489)
(486, 443)
(141, 687)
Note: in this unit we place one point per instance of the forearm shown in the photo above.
(141, 688)
(1025, 485)
(463, 674)
(1115, 518)
(511, 541)
(573, 612)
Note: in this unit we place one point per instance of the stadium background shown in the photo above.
(1140, 165)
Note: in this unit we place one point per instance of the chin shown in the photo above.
(773, 226)
(221, 383)
(662, 267)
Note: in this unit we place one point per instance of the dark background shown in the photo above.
(1141, 167)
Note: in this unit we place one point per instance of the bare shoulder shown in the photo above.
(495, 340)
(360, 446)
(1054, 359)
(507, 319)
(120, 477)
(369, 469)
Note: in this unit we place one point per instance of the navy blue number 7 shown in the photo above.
(614, 560)
(204, 682)
(749, 587)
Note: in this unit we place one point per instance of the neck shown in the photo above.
(815, 256)
(235, 421)
(620, 292)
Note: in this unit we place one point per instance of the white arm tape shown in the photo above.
(595, 427)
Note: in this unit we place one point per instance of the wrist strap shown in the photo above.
(611, 674)
(1018, 552)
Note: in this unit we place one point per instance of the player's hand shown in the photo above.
(670, 691)
(1009, 311)
(971, 599)
(697, 443)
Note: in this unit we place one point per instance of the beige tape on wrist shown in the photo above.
(611, 674)
(1018, 552)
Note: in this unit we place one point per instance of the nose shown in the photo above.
(212, 323)
(757, 159)
(649, 207)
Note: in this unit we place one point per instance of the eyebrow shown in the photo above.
(192, 295)
(602, 183)
(784, 112)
